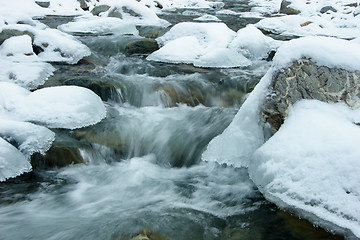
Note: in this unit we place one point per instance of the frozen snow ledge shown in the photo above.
(311, 164)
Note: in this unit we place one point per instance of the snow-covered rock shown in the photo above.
(316, 148)
(311, 165)
(55, 107)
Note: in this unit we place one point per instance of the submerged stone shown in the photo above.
(305, 80)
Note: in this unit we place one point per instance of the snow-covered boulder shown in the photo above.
(311, 164)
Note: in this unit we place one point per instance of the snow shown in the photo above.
(12, 161)
(325, 51)
(202, 44)
(344, 23)
(207, 18)
(61, 107)
(19, 45)
(252, 43)
(30, 137)
(316, 144)
(99, 25)
(312, 163)
(180, 50)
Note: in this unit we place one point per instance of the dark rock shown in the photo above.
(144, 46)
(158, 5)
(43, 4)
(270, 56)
(57, 156)
(99, 9)
(8, 33)
(83, 5)
(355, 4)
(305, 80)
(131, 12)
(285, 9)
(327, 8)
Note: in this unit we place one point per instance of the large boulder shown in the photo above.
(305, 80)
(8, 33)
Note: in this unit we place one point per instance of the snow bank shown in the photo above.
(312, 163)
(12, 161)
(99, 25)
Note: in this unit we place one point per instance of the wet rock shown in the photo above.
(144, 46)
(327, 8)
(99, 9)
(151, 31)
(171, 98)
(158, 5)
(131, 12)
(83, 5)
(8, 33)
(305, 80)
(43, 4)
(286, 9)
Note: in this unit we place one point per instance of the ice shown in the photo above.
(252, 43)
(99, 25)
(312, 163)
(12, 161)
(29, 137)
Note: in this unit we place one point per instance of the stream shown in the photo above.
(143, 162)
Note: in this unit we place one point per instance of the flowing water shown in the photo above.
(143, 168)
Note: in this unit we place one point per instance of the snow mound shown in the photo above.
(202, 44)
(62, 107)
(312, 163)
(99, 25)
(17, 46)
(12, 161)
(208, 34)
(207, 18)
(31, 138)
(55, 107)
(252, 43)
